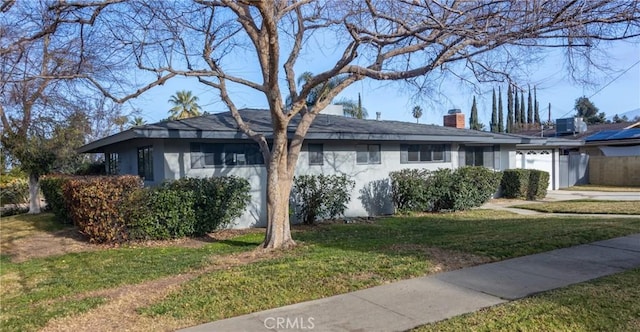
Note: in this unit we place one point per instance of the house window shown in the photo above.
(316, 154)
(145, 163)
(112, 163)
(479, 156)
(368, 154)
(211, 155)
(415, 153)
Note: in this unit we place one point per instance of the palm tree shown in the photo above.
(120, 121)
(353, 109)
(417, 113)
(138, 121)
(318, 92)
(185, 105)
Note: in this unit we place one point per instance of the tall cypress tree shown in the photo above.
(536, 119)
(500, 115)
(473, 119)
(494, 113)
(523, 119)
(510, 110)
(529, 108)
(516, 110)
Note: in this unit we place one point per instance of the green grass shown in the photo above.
(341, 258)
(595, 187)
(586, 206)
(331, 260)
(607, 304)
(34, 291)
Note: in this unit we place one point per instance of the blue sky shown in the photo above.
(615, 91)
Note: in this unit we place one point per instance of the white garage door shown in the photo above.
(536, 159)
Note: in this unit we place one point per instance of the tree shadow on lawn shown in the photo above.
(491, 234)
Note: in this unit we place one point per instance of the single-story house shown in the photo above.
(366, 150)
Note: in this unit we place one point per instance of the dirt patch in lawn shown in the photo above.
(442, 259)
(45, 244)
(120, 313)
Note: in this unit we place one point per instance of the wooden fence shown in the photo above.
(614, 171)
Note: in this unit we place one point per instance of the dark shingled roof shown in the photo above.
(324, 127)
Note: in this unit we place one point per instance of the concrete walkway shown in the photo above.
(409, 303)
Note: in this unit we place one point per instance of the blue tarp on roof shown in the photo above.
(609, 135)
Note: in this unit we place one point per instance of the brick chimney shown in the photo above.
(454, 119)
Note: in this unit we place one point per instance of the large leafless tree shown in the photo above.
(46, 51)
(411, 40)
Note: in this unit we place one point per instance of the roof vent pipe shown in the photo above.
(378, 116)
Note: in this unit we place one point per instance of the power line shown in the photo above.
(606, 85)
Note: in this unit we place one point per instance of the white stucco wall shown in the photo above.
(370, 196)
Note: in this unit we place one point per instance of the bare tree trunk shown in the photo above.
(34, 198)
(279, 181)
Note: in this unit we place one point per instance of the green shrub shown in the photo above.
(443, 189)
(13, 190)
(217, 201)
(528, 184)
(159, 213)
(408, 188)
(515, 183)
(51, 187)
(321, 196)
(538, 184)
(94, 205)
(466, 187)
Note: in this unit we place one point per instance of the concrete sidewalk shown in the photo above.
(409, 303)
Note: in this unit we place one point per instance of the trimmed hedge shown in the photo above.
(94, 205)
(408, 188)
(159, 213)
(321, 196)
(515, 183)
(538, 184)
(51, 187)
(465, 188)
(530, 184)
(217, 201)
(443, 189)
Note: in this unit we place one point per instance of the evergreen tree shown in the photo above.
(510, 123)
(536, 119)
(529, 108)
(516, 110)
(473, 119)
(500, 112)
(523, 116)
(494, 114)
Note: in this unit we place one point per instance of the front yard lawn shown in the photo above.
(586, 206)
(172, 286)
(606, 304)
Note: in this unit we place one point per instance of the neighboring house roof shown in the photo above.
(324, 127)
(591, 129)
(612, 135)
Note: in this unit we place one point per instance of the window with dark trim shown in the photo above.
(479, 156)
(316, 154)
(416, 153)
(368, 154)
(218, 154)
(112, 163)
(145, 163)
